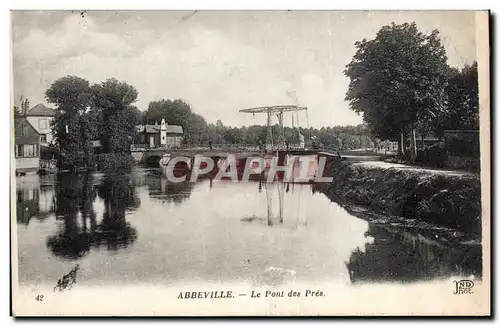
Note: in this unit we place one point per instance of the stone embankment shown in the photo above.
(442, 198)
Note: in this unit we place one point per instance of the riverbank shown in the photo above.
(446, 200)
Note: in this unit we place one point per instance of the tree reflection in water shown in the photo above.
(73, 239)
(118, 194)
(75, 196)
(398, 256)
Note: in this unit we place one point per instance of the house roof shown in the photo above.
(173, 129)
(153, 129)
(18, 122)
(41, 110)
(23, 121)
(31, 136)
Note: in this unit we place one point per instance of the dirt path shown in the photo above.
(387, 165)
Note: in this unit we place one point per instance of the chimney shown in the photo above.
(26, 106)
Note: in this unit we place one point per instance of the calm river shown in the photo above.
(138, 228)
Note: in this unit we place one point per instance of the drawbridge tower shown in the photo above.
(272, 142)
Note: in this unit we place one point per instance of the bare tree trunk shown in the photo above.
(413, 143)
(422, 136)
(402, 144)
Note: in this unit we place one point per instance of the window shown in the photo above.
(26, 151)
(43, 138)
(42, 123)
(30, 150)
(24, 131)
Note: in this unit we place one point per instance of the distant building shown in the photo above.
(27, 146)
(40, 118)
(163, 135)
(32, 137)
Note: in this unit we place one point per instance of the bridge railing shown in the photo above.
(139, 146)
(248, 147)
(144, 147)
(235, 146)
(47, 164)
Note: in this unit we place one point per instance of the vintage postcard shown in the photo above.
(250, 163)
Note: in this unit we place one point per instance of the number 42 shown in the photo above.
(39, 297)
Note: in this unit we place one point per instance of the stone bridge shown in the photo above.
(152, 156)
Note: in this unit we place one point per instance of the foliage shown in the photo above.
(433, 156)
(114, 161)
(398, 79)
(87, 113)
(400, 82)
(113, 100)
(70, 94)
(175, 112)
(463, 102)
(463, 144)
(71, 128)
(336, 138)
(105, 112)
(198, 132)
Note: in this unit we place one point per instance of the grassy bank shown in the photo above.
(443, 200)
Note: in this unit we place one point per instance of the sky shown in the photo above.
(218, 61)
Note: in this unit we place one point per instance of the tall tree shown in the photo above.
(196, 130)
(398, 80)
(178, 112)
(113, 100)
(72, 134)
(463, 101)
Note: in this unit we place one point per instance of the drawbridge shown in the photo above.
(278, 142)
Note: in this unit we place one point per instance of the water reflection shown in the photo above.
(75, 197)
(281, 196)
(215, 231)
(119, 196)
(160, 189)
(166, 191)
(27, 205)
(34, 201)
(396, 255)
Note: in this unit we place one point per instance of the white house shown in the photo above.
(163, 135)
